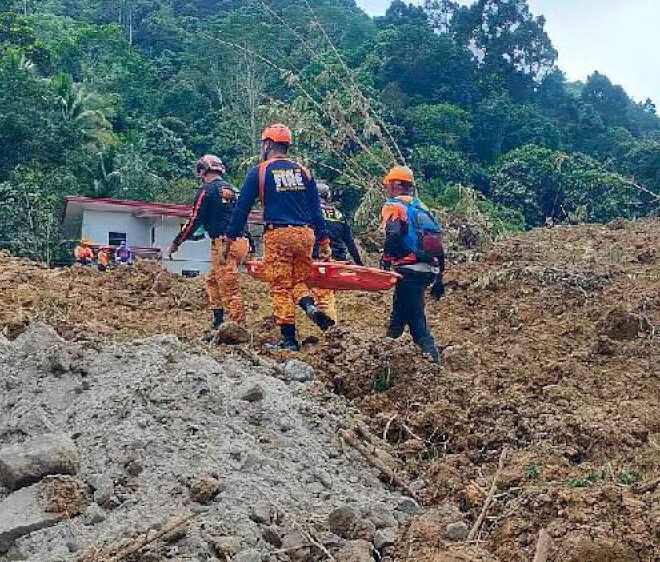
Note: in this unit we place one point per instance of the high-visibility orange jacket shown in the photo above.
(83, 253)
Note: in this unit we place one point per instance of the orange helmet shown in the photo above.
(277, 133)
(209, 163)
(399, 173)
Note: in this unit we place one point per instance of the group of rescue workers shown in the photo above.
(84, 254)
(302, 225)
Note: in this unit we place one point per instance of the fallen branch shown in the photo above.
(371, 456)
(489, 498)
(130, 547)
(543, 546)
(387, 427)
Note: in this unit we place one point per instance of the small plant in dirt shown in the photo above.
(630, 477)
(586, 481)
(383, 381)
(533, 471)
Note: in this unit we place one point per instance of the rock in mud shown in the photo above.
(385, 537)
(299, 371)
(355, 551)
(29, 462)
(231, 333)
(621, 325)
(262, 513)
(253, 394)
(342, 521)
(457, 531)
(93, 514)
(23, 512)
(409, 506)
(272, 535)
(204, 488)
(250, 555)
(381, 516)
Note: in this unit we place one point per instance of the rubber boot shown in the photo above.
(288, 341)
(428, 345)
(218, 317)
(320, 318)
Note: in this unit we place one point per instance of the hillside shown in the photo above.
(120, 98)
(551, 353)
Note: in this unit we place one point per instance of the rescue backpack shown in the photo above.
(424, 236)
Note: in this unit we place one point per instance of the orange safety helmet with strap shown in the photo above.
(277, 132)
(399, 173)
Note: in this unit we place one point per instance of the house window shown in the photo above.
(190, 273)
(116, 238)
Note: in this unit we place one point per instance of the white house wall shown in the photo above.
(192, 256)
(97, 224)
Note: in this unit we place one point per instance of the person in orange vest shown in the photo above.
(341, 243)
(102, 259)
(211, 213)
(293, 221)
(413, 248)
(83, 253)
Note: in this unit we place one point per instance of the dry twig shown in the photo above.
(371, 456)
(489, 498)
(543, 546)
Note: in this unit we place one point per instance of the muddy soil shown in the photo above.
(550, 352)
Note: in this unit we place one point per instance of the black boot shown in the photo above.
(218, 317)
(288, 341)
(428, 345)
(320, 318)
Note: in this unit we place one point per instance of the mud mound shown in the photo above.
(550, 350)
(162, 430)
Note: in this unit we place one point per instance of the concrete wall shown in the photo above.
(97, 224)
(192, 256)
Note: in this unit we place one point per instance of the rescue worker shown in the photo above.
(102, 259)
(408, 307)
(83, 253)
(212, 210)
(341, 241)
(123, 254)
(292, 218)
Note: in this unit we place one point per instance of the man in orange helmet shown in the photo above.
(413, 247)
(83, 253)
(292, 218)
(211, 213)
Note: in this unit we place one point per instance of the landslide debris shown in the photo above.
(550, 349)
(176, 454)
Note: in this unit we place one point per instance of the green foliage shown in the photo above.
(586, 481)
(533, 471)
(119, 98)
(549, 184)
(630, 477)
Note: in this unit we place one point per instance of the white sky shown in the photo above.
(619, 38)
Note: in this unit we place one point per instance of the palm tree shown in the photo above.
(84, 109)
(108, 179)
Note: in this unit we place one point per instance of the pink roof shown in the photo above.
(137, 208)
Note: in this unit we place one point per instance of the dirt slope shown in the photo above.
(550, 351)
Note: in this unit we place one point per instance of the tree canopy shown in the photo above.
(119, 98)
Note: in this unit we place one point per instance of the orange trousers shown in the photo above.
(287, 265)
(222, 282)
(326, 302)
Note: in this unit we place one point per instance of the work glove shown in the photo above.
(438, 288)
(325, 252)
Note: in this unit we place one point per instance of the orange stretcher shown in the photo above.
(339, 276)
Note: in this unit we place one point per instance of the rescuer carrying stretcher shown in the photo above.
(293, 222)
(341, 243)
(413, 248)
(212, 211)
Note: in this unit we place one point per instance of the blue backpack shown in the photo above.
(424, 236)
